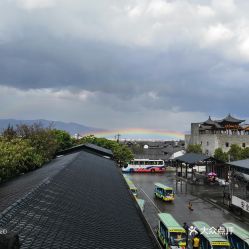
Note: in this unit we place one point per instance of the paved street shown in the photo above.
(203, 210)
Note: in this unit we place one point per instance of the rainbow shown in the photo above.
(138, 133)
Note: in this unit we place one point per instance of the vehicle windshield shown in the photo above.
(177, 238)
(168, 192)
(134, 191)
(220, 247)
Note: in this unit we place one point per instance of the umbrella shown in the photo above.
(212, 174)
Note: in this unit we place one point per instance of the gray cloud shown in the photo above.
(171, 57)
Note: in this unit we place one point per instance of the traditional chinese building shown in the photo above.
(213, 134)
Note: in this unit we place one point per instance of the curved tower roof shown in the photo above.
(230, 119)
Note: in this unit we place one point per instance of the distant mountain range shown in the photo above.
(72, 128)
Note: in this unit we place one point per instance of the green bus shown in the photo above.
(170, 233)
(237, 236)
(131, 185)
(209, 237)
(164, 192)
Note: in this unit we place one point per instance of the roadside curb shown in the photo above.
(226, 210)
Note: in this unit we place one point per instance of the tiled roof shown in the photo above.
(192, 158)
(88, 147)
(231, 119)
(240, 163)
(86, 205)
(211, 123)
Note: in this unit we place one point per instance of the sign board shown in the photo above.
(236, 201)
(220, 243)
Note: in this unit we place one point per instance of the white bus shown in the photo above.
(144, 165)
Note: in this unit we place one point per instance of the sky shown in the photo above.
(152, 64)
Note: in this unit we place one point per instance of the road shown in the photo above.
(203, 210)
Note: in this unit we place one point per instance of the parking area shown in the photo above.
(201, 198)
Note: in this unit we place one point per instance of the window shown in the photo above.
(163, 230)
(207, 143)
(227, 144)
(243, 145)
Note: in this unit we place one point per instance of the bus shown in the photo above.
(209, 237)
(237, 236)
(144, 165)
(164, 192)
(131, 185)
(170, 233)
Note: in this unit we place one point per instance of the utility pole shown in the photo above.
(117, 136)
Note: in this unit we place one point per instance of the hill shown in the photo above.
(72, 128)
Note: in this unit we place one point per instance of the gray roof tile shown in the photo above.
(192, 158)
(86, 205)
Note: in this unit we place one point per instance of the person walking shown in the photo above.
(196, 242)
(190, 206)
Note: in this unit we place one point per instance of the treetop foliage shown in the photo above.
(194, 148)
(235, 153)
(27, 147)
(121, 152)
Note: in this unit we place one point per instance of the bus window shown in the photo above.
(220, 247)
(236, 242)
(159, 190)
(168, 192)
(134, 191)
(204, 243)
(163, 230)
(177, 238)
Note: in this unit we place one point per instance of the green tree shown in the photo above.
(220, 155)
(195, 148)
(9, 133)
(41, 139)
(86, 139)
(17, 156)
(245, 153)
(235, 152)
(63, 139)
(121, 153)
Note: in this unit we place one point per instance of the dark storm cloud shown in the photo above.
(179, 78)
(180, 56)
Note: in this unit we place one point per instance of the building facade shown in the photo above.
(213, 134)
(155, 149)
